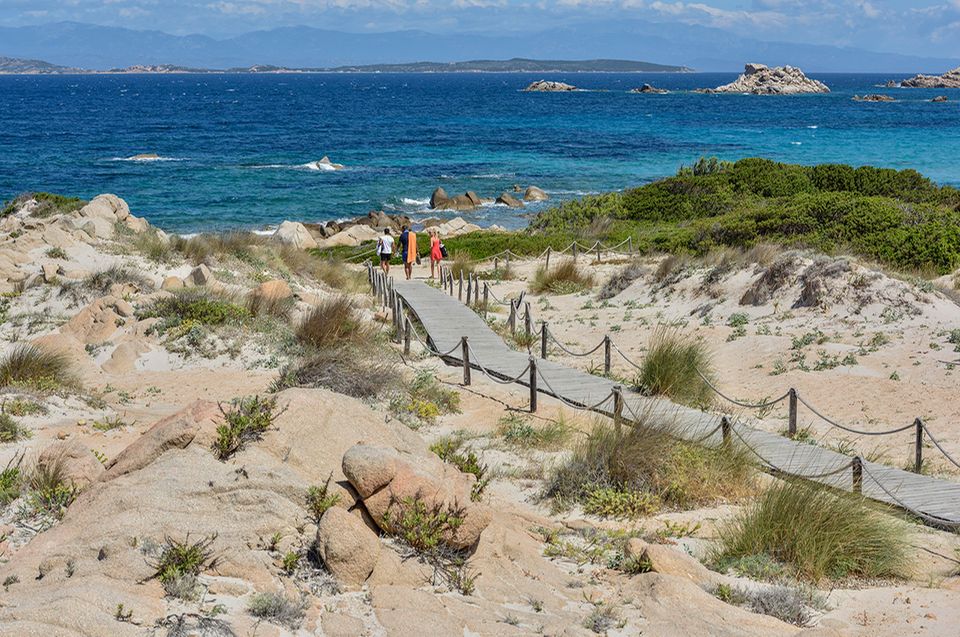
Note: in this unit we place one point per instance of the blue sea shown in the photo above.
(234, 148)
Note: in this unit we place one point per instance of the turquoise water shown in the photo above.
(234, 147)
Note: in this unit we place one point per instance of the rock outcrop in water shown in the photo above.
(759, 79)
(950, 79)
(875, 97)
(648, 88)
(440, 200)
(546, 86)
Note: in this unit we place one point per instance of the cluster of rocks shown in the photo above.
(874, 97)
(950, 79)
(98, 220)
(649, 88)
(547, 86)
(759, 79)
(469, 200)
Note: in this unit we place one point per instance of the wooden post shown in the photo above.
(465, 356)
(460, 288)
(792, 422)
(598, 252)
(857, 475)
(486, 298)
(450, 275)
(918, 447)
(407, 329)
(606, 355)
(496, 264)
(400, 319)
(513, 317)
(547, 266)
(575, 250)
(617, 407)
(527, 321)
(630, 244)
(543, 339)
(533, 385)
(469, 289)
(725, 430)
(508, 261)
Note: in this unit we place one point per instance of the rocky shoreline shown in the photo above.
(950, 79)
(759, 79)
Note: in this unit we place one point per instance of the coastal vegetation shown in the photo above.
(678, 366)
(48, 204)
(899, 218)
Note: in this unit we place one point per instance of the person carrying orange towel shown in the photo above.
(408, 240)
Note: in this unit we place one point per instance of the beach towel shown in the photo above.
(411, 247)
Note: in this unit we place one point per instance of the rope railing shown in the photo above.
(858, 432)
(571, 353)
(933, 520)
(936, 443)
(761, 405)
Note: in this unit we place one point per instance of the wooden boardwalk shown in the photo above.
(446, 320)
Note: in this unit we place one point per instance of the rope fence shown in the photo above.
(383, 289)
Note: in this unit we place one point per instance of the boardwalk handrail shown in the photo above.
(918, 425)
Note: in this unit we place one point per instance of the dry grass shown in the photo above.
(642, 468)
(818, 534)
(101, 282)
(352, 370)
(334, 321)
(763, 254)
(670, 268)
(777, 275)
(209, 248)
(36, 367)
(261, 304)
(621, 280)
(335, 274)
(461, 264)
(566, 277)
(673, 366)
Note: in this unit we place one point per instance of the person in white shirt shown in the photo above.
(385, 250)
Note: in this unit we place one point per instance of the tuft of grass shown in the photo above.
(566, 277)
(352, 370)
(449, 450)
(260, 304)
(818, 534)
(245, 421)
(11, 480)
(190, 307)
(609, 466)
(425, 399)
(22, 407)
(459, 264)
(101, 282)
(602, 618)
(11, 430)
(517, 431)
(671, 268)
(787, 603)
(153, 247)
(621, 280)
(333, 322)
(57, 253)
(49, 491)
(319, 500)
(34, 367)
(278, 609)
(332, 272)
(673, 366)
(180, 562)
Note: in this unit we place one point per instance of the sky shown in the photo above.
(918, 27)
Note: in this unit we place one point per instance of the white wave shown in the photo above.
(264, 232)
(796, 143)
(315, 165)
(147, 158)
(813, 127)
(407, 201)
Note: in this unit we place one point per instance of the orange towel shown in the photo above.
(411, 247)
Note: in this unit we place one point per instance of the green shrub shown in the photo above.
(787, 603)
(332, 322)
(818, 534)
(612, 502)
(189, 308)
(49, 204)
(517, 431)
(422, 528)
(11, 430)
(153, 246)
(319, 500)
(48, 489)
(606, 467)
(57, 253)
(674, 366)
(425, 399)
(566, 277)
(36, 368)
(448, 449)
(180, 562)
(245, 421)
(11, 480)
(278, 609)
(101, 282)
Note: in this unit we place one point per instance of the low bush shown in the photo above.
(278, 609)
(207, 248)
(461, 265)
(449, 450)
(35, 367)
(621, 280)
(11, 430)
(334, 273)
(319, 500)
(788, 604)
(566, 277)
(191, 307)
(153, 246)
(359, 371)
(245, 421)
(609, 466)
(675, 366)
(818, 534)
(101, 282)
(261, 304)
(332, 322)
(420, 527)
(49, 492)
(517, 431)
(425, 399)
(48, 204)
(11, 480)
(180, 562)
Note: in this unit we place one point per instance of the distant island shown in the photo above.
(16, 66)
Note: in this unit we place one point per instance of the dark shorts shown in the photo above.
(385, 257)
(404, 256)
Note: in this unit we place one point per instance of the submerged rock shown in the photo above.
(535, 194)
(873, 98)
(325, 164)
(547, 86)
(647, 88)
(507, 199)
(940, 98)
(759, 79)
(950, 79)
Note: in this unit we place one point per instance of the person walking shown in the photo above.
(410, 254)
(385, 250)
(436, 253)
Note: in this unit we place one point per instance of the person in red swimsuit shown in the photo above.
(435, 254)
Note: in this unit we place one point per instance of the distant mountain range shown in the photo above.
(89, 46)
(16, 66)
